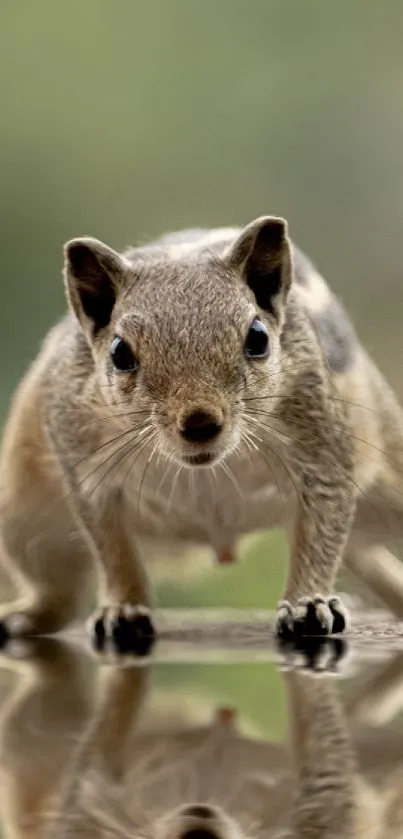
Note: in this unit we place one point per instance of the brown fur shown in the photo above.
(93, 464)
(78, 764)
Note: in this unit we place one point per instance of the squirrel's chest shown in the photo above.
(209, 506)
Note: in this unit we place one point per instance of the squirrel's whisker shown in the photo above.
(149, 459)
(274, 454)
(224, 466)
(173, 487)
(306, 422)
(332, 463)
(124, 453)
(130, 429)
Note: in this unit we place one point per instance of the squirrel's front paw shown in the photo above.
(127, 628)
(310, 616)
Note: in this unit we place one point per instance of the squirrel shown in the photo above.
(203, 386)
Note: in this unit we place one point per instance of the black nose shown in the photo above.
(199, 811)
(200, 427)
(198, 833)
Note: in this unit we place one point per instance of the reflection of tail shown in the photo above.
(40, 721)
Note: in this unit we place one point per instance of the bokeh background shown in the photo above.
(127, 119)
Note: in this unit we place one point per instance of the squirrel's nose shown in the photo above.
(198, 811)
(202, 819)
(201, 426)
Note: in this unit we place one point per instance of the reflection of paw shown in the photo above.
(318, 653)
(15, 625)
(14, 647)
(316, 616)
(37, 650)
(125, 628)
(3, 635)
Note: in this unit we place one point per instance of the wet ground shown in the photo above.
(218, 733)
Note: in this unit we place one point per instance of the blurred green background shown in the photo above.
(127, 119)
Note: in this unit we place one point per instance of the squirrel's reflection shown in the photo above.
(74, 762)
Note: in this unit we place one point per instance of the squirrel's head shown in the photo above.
(184, 341)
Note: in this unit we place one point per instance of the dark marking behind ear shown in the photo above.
(336, 336)
(303, 267)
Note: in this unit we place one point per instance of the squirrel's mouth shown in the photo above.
(202, 455)
(200, 459)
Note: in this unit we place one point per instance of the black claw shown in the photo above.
(144, 635)
(299, 630)
(130, 635)
(121, 634)
(3, 635)
(99, 634)
(339, 621)
(134, 635)
(311, 649)
(311, 624)
(285, 633)
(284, 644)
(144, 627)
(143, 645)
(339, 646)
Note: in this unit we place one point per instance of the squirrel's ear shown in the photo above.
(93, 275)
(262, 254)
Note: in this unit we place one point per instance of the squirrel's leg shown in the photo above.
(125, 592)
(324, 758)
(44, 553)
(41, 719)
(125, 595)
(46, 542)
(105, 749)
(325, 511)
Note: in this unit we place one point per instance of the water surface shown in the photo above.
(216, 734)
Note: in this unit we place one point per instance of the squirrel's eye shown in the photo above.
(122, 356)
(257, 340)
